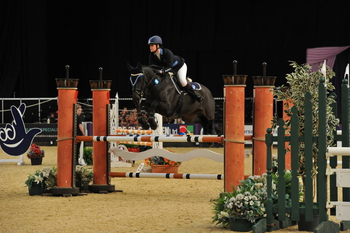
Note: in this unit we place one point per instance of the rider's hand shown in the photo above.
(161, 71)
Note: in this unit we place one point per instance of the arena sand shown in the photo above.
(145, 205)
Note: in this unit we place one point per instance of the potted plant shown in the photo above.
(162, 165)
(245, 205)
(35, 154)
(41, 180)
(241, 208)
(299, 82)
(87, 155)
(83, 178)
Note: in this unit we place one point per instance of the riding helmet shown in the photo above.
(155, 40)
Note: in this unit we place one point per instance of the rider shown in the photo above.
(163, 57)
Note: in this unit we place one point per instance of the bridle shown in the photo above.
(142, 91)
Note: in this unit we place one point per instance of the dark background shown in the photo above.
(38, 38)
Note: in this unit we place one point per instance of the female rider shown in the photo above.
(164, 58)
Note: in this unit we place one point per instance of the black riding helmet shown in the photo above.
(155, 40)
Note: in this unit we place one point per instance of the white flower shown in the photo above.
(223, 214)
(274, 186)
(251, 203)
(38, 179)
(239, 196)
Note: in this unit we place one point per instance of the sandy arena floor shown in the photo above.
(145, 205)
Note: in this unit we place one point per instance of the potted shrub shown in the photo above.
(35, 154)
(41, 180)
(299, 82)
(87, 155)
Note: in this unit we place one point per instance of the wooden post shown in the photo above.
(288, 162)
(67, 97)
(100, 95)
(263, 115)
(234, 135)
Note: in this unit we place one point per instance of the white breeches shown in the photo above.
(181, 73)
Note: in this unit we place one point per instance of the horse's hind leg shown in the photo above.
(208, 125)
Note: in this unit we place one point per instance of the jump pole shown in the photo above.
(67, 97)
(152, 138)
(167, 175)
(100, 102)
(234, 96)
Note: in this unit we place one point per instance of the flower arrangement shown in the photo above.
(158, 160)
(245, 202)
(46, 177)
(35, 152)
(248, 200)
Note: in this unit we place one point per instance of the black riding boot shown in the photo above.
(190, 90)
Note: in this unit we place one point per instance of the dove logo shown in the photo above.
(14, 140)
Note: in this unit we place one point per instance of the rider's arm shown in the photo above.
(169, 57)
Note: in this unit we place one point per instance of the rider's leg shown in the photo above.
(181, 73)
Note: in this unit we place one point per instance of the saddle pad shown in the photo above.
(196, 86)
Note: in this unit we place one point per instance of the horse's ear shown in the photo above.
(139, 66)
(129, 67)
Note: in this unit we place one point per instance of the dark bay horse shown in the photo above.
(163, 97)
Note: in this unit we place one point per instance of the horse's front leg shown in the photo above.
(151, 119)
(142, 119)
(142, 116)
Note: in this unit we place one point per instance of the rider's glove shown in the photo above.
(161, 71)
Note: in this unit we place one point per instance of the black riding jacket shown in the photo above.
(168, 61)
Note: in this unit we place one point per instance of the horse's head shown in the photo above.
(137, 82)
(141, 79)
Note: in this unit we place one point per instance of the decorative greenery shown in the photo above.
(245, 202)
(301, 81)
(248, 200)
(46, 177)
(158, 160)
(35, 152)
(87, 155)
(83, 175)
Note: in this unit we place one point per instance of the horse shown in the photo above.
(163, 96)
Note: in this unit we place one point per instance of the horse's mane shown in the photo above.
(148, 70)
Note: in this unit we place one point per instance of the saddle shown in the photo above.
(195, 86)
